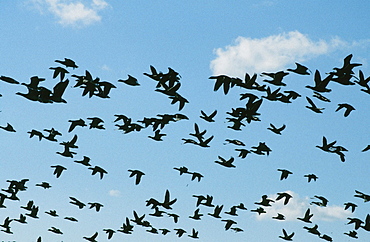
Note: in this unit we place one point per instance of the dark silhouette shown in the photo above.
(307, 216)
(208, 118)
(300, 69)
(286, 236)
(138, 174)
(58, 169)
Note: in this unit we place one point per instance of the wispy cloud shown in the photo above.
(269, 54)
(73, 13)
(114, 193)
(297, 207)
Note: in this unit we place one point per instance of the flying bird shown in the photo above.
(75, 123)
(208, 118)
(132, 81)
(286, 236)
(67, 63)
(300, 69)
(98, 169)
(284, 173)
(313, 106)
(227, 163)
(58, 169)
(92, 238)
(307, 216)
(8, 128)
(76, 202)
(138, 174)
(276, 130)
(348, 108)
(311, 177)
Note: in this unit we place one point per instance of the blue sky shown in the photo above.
(114, 39)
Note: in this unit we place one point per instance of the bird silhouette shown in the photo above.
(174, 216)
(196, 215)
(348, 108)
(33, 213)
(109, 232)
(157, 135)
(179, 232)
(259, 210)
(243, 153)
(229, 223)
(284, 195)
(357, 222)
(67, 63)
(284, 173)
(85, 161)
(75, 123)
(208, 118)
(77, 202)
(132, 81)
(307, 216)
(350, 205)
(167, 203)
(234, 141)
(95, 205)
(22, 219)
(232, 211)
(320, 85)
(277, 78)
(71, 143)
(265, 201)
(98, 169)
(58, 169)
(362, 195)
(326, 237)
(58, 91)
(352, 234)
(227, 163)
(66, 152)
(138, 174)
(366, 148)
(196, 175)
(286, 236)
(216, 211)
(311, 177)
(164, 231)
(321, 97)
(96, 123)
(126, 227)
(313, 230)
(279, 216)
(313, 106)
(9, 80)
(8, 128)
(194, 234)
(182, 169)
(71, 219)
(300, 69)
(92, 238)
(55, 230)
(59, 71)
(323, 201)
(34, 132)
(276, 130)
(52, 213)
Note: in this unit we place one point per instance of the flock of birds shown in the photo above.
(169, 85)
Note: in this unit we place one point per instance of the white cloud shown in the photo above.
(73, 13)
(269, 54)
(297, 207)
(114, 193)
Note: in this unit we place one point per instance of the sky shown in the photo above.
(198, 40)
